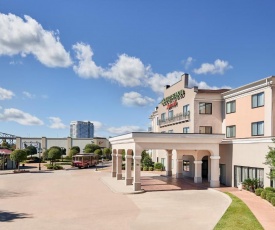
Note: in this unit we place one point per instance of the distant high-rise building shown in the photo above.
(81, 129)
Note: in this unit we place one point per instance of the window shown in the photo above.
(186, 130)
(170, 114)
(242, 172)
(157, 120)
(162, 160)
(186, 110)
(231, 131)
(205, 129)
(163, 117)
(257, 100)
(231, 107)
(186, 166)
(170, 131)
(205, 108)
(257, 128)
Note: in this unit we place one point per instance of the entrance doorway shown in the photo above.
(222, 174)
(204, 168)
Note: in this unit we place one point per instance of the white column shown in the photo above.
(128, 173)
(198, 177)
(179, 168)
(137, 183)
(215, 172)
(113, 165)
(118, 166)
(169, 163)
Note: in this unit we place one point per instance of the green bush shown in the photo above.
(55, 167)
(263, 194)
(141, 168)
(258, 191)
(147, 161)
(269, 195)
(273, 201)
(270, 189)
(123, 166)
(151, 168)
(145, 168)
(158, 166)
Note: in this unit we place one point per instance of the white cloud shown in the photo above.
(56, 123)
(158, 82)
(219, 67)
(86, 67)
(28, 95)
(97, 125)
(188, 62)
(5, 94)
(126, 70)
(203, 85)
(131, 72)
(124, 129)
(27, 36)
(136, 99)
(20, 117)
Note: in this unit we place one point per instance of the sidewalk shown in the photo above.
(261, 208)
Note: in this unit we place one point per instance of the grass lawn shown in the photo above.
(238, 216)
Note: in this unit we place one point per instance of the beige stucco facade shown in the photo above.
(243, 117)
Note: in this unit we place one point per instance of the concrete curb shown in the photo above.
(121, 188)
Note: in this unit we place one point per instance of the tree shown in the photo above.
(98, 152)
(107, 153)
(147, 162)
(270, 161)
(5, 144)
(31, 150)
(54, 153)
(18, 156)
(74, 150)
(90, 148)
(143, 155)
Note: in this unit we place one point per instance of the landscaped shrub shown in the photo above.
(158, 166)
(123, 166)
(269, 195)
(145, 168)
(273, 201)
(258, 191)
(270, 189)
(151, 168)
(263, 194)
(57, 167)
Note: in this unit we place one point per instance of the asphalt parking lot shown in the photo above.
(80, 199)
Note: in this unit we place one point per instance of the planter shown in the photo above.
(21, 171)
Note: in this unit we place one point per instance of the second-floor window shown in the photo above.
(231, 131)
(257, 100)
(170, 114)
(186, 130)
(257, 128)
(205, 108)
(163, 117)
(186, 110)
(205, 129)
(231, 107)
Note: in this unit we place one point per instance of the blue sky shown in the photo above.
(108, 61)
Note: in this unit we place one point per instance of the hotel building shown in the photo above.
(219, 135)
(244, 115)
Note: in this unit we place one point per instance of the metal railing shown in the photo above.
(180, 117)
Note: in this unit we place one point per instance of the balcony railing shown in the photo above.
(180, 117)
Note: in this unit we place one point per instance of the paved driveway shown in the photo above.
(78, 199)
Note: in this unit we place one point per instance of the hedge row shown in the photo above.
(268, 193)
